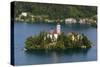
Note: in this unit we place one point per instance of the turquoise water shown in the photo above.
(24, 30)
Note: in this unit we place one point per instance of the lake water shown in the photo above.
(24, 30)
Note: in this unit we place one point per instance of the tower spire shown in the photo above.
(58, 28)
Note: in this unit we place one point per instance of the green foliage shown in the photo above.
(60, 45)
(41, 41)
(85, 41)
(54, 11)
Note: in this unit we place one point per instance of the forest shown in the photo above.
(54, 11)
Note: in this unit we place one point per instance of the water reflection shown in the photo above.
(67, 51)
(58, 53)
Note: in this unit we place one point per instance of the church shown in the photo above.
(53, 33)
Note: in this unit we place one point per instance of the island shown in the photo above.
(55, 39)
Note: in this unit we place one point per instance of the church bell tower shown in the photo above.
(58, 28)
